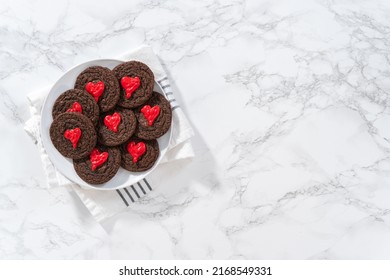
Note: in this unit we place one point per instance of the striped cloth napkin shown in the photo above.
(105, 204)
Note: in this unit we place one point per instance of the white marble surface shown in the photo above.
(290, 103)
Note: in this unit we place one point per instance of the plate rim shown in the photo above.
(87, 185)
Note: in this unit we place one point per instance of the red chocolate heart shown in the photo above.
(130, 85)
(76, 108)
(97, 158)
(112, 121)
(73, 135)
(136, 150)
(95, 89)
(150, 113)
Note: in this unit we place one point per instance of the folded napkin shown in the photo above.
(104, 204)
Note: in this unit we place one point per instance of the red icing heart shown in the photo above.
(97, 158)
(112, 121)
(150, 113)
(95, 89)
(76, 108)
(73, 135)
(136, 150)
(130, 85)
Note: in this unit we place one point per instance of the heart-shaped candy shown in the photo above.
(97, 158)
(150, 113)
(112, 121)
(136, 150)
(76, 108)
(73, 135)
(130, 84)
(95, 89)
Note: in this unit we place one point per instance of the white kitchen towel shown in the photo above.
(104, 204)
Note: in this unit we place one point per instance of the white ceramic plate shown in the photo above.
(123, 178)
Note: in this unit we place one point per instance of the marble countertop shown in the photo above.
(290, 104)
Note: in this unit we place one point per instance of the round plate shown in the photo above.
(123, 178)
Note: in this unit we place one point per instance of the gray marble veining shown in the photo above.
(290, 103)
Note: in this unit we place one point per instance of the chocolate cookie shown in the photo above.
(116, 127)
(101, 83)
(73, 135)
(154, 117)
(136, 82)
(76, 101)
(99, 166)
(138, 154)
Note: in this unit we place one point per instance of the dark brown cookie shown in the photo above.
(99, 166)
(154, 117)
(138, 154)
(77, 101)
(116, 126)
(101, 83)
(73, 135)
(136, 83)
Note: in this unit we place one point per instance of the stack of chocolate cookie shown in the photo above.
(111, 118)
